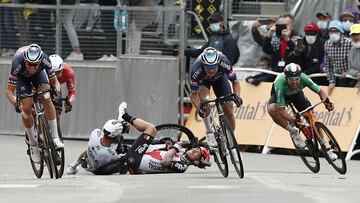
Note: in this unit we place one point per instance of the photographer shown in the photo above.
(280, 41)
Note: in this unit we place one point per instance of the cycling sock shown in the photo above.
(207, 124)
(32, 135)
(290, 129)
(53, 128)
(75, 163)
(128, 118)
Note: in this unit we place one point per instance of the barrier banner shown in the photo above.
(252, 121)
(342, 122)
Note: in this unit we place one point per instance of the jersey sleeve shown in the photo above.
(15, 68)
(48, 68)
(280, 91)
(178, 166)
(230, 73)
(195, 76)
(309, 83)
(70, 83)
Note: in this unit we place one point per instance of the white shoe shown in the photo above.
(122, 111)
(332, 155)
(71, 170)
(103, 58)
(210, 138)
(111, 58)
(297, 140)
(58, 143)
(75, 56)
(35, 154)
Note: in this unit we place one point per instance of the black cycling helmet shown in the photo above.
(292, 70)
(210, 58)
(34, 54)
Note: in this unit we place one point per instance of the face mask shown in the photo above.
(347, 25)
(322, 25)
(215, 27)
(263, 30)
(334, 37)
(356, 44)
(310, 39)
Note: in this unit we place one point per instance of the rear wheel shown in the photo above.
(233, 147)
(174, 131)
(330, 143)
(310, 154)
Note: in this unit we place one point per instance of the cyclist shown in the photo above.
(65, 74)
(287, 88)
(137, 160)
(213, 69)
(31, 71)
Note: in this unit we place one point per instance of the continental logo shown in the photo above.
(256, 111)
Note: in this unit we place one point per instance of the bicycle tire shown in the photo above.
(49, 148)
(60, 158)
(309, 155)
(175, 131)
(233, 148)
(338, 164)
(38, 168)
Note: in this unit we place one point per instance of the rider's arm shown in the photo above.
(10, 94)
(323, 95)
(236, 87)
(166, 162)
(70, 82)
(195, 100)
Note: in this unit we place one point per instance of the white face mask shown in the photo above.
(322, 25)
(334, 37)
(356, 44)
(310, 39)
(347, 25)
(215, 27)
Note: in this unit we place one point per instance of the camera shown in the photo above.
(280, 28)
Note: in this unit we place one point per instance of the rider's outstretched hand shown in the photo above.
(238, 101)
(328, 104)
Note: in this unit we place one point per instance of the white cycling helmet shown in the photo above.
(57, 63)
(113, 127)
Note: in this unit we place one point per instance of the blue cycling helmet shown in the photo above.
(34, 54)
(210, 58)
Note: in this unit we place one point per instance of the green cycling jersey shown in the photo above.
(282, 89)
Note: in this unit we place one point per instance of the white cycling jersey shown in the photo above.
(97, 154)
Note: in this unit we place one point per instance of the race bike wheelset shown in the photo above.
(310, 154)
(38, 168)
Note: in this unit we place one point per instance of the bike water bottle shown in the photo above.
(308, 133)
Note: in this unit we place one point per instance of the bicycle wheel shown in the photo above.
(338, 164)
(49, 148)
(174, 131)
(233, 147)
(310, 154)
(60, 158)
(38, 168)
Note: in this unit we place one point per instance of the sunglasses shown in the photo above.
(32, 64)
(293, 78)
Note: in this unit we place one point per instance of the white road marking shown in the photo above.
(17, 186)
(210, 187)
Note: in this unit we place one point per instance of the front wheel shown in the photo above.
(330, 143)
(233, 147)
(38, 168)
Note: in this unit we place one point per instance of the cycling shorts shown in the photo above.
(221, 86)
(299, 100)
(136, 152)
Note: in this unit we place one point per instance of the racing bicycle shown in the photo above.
(51, 157)
(319, 140)
(226, 140)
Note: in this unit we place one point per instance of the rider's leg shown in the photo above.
(73, 167)
(228, 109)
(275, 113)
(28, 120)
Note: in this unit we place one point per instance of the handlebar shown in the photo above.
(232, 97)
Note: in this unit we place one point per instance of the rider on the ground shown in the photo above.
(102, 158)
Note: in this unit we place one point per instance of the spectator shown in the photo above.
(336, 56)
(67, 18)
(137, 21)
(324, 19)
(264, 63)
(260, 28)
(309, 53)
(354, 54)
(221, 39)
(280, 42)
(347, 20)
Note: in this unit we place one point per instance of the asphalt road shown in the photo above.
(268, 178)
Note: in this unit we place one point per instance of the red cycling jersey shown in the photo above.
(68, 76)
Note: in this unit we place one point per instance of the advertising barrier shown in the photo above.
(254, 126)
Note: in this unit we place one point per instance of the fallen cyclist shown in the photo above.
(103, 158)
